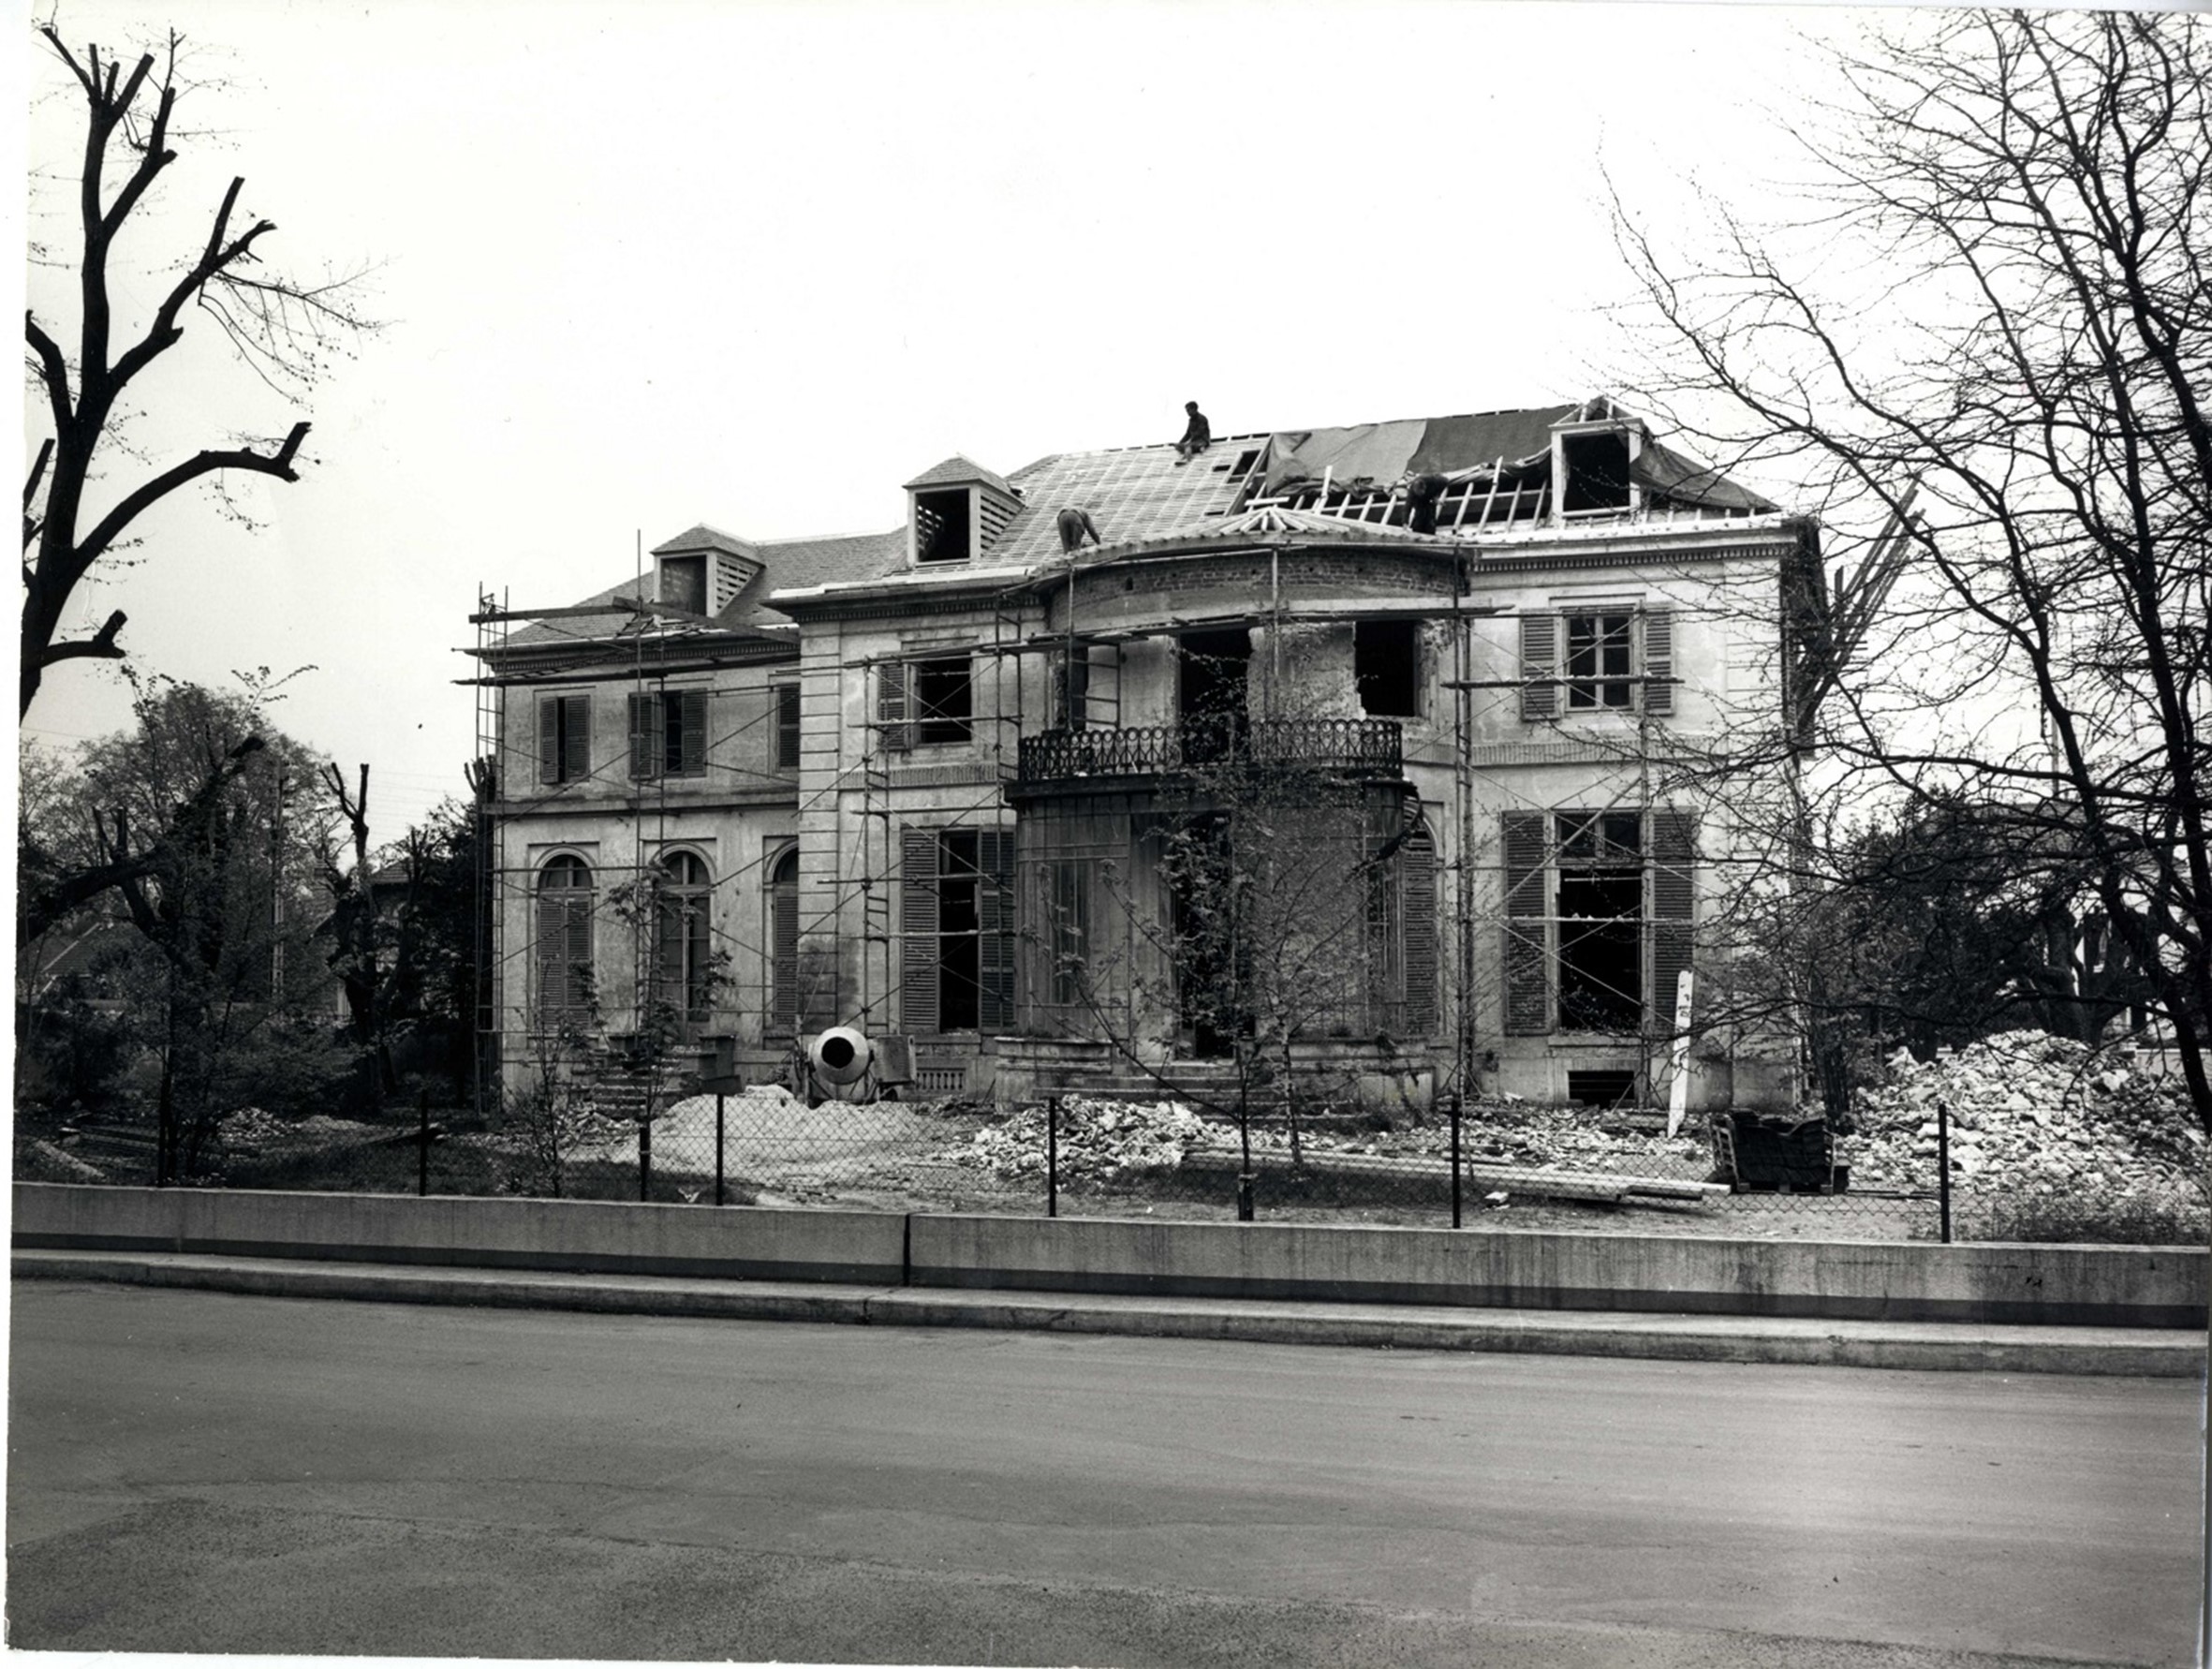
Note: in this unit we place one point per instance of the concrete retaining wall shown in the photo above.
(2068, 1285)
(739, 1244)
(2065, 1285)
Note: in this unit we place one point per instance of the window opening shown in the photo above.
(564, 738)
(1071, 687)
(1600, 660)
(1068, 911)
(1597, 473)
(944, 701)
(1601, 1088)
(684, 583)
(943, 529)
(1601, 914)
(1386, 662)
(1211, 684)
(683, 937)
(669, 734)
(786, 727)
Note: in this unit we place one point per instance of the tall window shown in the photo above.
(564, 738)
(682, 937)
(669, 734)
(956, 965)
(786, 697)
(1601, 911)
(564, 949)
(1386, 663)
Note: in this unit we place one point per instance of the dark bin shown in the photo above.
(1770, 1153)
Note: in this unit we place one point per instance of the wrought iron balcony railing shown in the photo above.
(1338, 746)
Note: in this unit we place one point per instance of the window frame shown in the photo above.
(930, 724)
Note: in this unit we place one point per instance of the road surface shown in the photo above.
(204, 1472)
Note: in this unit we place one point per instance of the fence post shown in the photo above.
(1051, 1155)
(423, 1147)
(1943, 1165)
(719, 1099)
(1451, 1107)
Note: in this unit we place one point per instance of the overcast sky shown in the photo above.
(753, 264)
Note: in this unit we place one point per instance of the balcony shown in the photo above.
(1355, 747)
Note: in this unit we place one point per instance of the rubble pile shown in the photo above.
(2032, 1114)
(1098, 1140)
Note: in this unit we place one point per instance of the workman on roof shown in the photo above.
(1075, 526)
(1197, 435)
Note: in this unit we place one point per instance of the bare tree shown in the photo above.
(2007, 313)
(276, 324)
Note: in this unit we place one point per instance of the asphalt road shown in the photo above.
(202, 1473)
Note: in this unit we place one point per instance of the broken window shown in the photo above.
(1597, 473)
(669, 734)
(683, 937)
(564, 738)
(786, 697)
(1386, 662)
(943, 528)
(1601, 917)
(944, 701)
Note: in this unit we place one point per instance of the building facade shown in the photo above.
(1369, 747)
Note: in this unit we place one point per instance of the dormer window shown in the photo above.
(684, 583)
(702, 570)
(943, 528)
(1593, 454)
(955, 512)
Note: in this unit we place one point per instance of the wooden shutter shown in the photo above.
(994, 920)
(1673, 906)
(1659, 661)
(1539, 665)
(564, 951)
(894, 711)
(918, 929)
(645, 734)
(783, 948)
(668, 951)
(1528, 947)
(1417, 884)
(692, 734)
(549, 738)
(576, 737)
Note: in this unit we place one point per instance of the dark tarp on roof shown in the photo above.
(1454, 443)
(1662, 470)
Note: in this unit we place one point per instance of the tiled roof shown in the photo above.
(1138, 492)
(790, 562)
(958, 470)
(703, 538)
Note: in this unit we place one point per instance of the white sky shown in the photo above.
(756, 264)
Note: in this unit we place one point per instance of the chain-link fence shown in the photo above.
(1518, 1165)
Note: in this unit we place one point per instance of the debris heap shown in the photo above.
(1098, 1140)
(2037, 1115)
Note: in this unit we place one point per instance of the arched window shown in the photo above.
(564, 940)
(783, 945)
(682, 937)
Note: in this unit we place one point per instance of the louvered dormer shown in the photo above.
(704, 570)
(955, 512)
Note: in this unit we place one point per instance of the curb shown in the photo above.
(1927, 1346)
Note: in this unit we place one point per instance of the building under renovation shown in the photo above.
(1354, 747)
